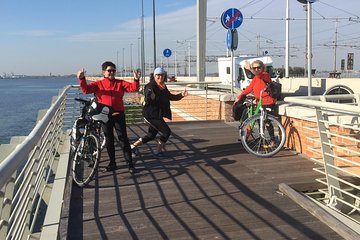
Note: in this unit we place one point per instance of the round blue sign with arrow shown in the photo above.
(231, 18)
(167, 52)
(229, 39)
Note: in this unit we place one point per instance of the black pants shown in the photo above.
(268, 124)
(156, 126)
(118, 123)
(274, 109)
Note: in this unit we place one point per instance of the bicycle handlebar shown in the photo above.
(82, 100)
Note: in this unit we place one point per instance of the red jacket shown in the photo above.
(110, 92)
(258, 84)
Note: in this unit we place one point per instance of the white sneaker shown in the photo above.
(161, 146)
(135, 152)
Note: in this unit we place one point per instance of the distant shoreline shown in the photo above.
(32, 77)
(90, 78)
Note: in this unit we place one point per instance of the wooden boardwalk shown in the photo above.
(207, 187)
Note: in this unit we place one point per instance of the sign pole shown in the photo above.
(232, 71)
(309, 43)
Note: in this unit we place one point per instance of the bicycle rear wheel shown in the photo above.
(266, 144)
(86, 160)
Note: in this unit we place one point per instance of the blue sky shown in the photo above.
(40, 37)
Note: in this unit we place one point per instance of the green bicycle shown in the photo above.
(261, 133)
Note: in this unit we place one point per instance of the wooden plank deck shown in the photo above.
(207, 187)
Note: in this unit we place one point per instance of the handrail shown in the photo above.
(26, 174)
(338, 125)
(321, 101)
(9, 165)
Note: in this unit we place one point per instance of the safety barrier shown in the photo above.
(335, 144)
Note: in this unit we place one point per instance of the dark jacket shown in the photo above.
(160, 106)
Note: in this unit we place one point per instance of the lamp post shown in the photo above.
(201, 40)
(309, 42)
(287, 44)
(142, 43)
(154, 34)
(131, 65)
(123, 62)
(117, 59)
(189, 49)
(138, 64)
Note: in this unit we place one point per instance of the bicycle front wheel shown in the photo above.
(86, 160)
(264, 142)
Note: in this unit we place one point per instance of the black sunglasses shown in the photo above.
(111, 70)
(259, 67)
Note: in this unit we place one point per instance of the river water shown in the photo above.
(22, 98)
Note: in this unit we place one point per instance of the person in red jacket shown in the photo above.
(258, 86)
(109, 91)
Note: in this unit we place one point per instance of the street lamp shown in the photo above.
(309, 41)
(142, 43)
(131, 65)
(123, 63)
(154, 34)
(117, 59)
(287, 44)
(138, 64)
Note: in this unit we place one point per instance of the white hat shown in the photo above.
(159, 70)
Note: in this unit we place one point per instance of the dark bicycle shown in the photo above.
(87, 140)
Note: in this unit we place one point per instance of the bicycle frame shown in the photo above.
(90, 127)
(251, 111)
(257, 130)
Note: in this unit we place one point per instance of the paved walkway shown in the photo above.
(207, 187)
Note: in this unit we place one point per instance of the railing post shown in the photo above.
(327, 152)
(206, 102)
(6, 198)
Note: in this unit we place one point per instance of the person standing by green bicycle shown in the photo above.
(258, 86)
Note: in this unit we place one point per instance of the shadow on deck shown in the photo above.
(208, 187)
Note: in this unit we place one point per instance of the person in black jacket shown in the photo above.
(157, 106)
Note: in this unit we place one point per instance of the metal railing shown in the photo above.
(27, 175)
(338, 140)
(33, 175)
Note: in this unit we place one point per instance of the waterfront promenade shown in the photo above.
(208, 187)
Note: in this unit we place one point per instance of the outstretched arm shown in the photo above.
(179, 96)
(81, 74)
(137, 75)
(86, 88)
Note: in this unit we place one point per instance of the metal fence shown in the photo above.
(27, 175)
(336, 139)
(33, 175)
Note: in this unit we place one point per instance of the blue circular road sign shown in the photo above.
(167, 52)
(232, 18)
